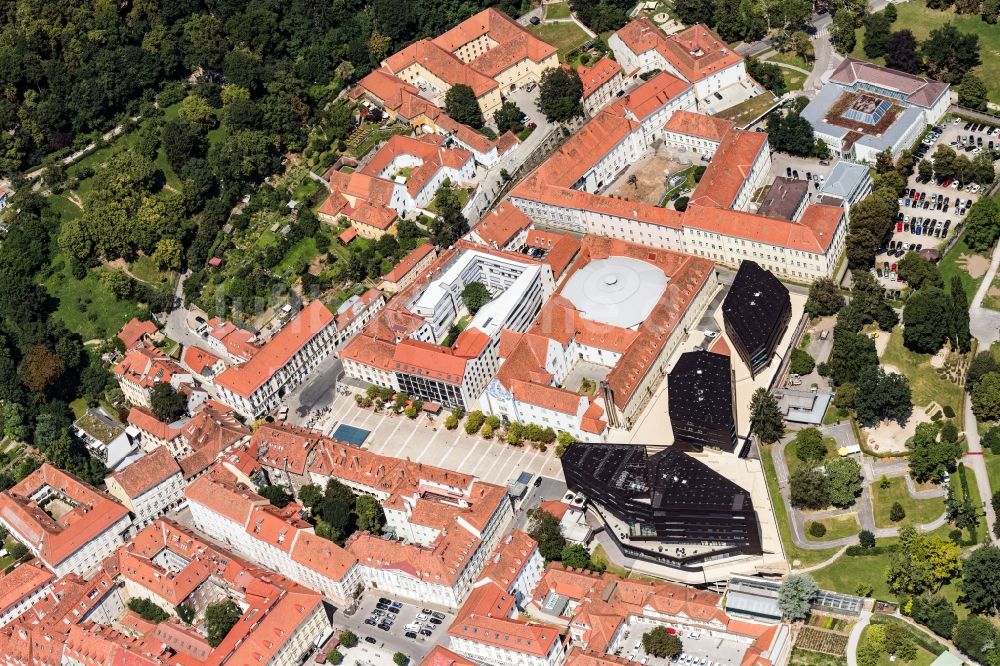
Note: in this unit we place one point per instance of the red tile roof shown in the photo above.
(597, 75)
(284, 446)
(347, 235)
(147, 472)
(813, 233)
(650, 97)
(278, 351)
(92, 513)
(136, 330)
(699, 53)
(501, 225)
(441, 656)
(699, 125)
(146, 365)
(198, 360)
(509, 558)
(408, 263)
(428, 149)
(560, 248)
(22, 582)
(729, 169)
(441, 564)
(441, 64)
(485, 618)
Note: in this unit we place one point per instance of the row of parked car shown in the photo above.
(922, 226)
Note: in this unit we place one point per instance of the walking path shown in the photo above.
(855, 637)
(871, 472)
(796, 68)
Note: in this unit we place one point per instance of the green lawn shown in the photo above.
(992, 298)
(791, 59)
(145, 269)
(791, 455)
(956, 485)
(918, 512)
(925, 383)
(953, 263)
(837, 527)
(302, 252)
(792, 552)
(559, 10)
(745, 112)
(563, 36)
(85, 306)
(992, 470)
(915, 16)
(846, 573)
(793, 80)
(923, 658)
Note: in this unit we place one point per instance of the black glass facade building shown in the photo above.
(756, 313)
(663, 501)
(701, 406)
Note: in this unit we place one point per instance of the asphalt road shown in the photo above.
(317, 392)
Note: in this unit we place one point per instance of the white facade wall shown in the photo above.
(729, 76)
(687, 142)
(88, 556)
(370, 374)
(302, 640)
(606, 93)
(636, 63)
(266, 397)
(760, 172)
(787, 262)
(487, 653)
(156, 501)
(23, 604)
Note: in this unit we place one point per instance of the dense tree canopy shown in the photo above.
(560, 94)
(544, 528)
(765, 417)
(901, 52)
(824, 298)
(796, 595)
(460, 103)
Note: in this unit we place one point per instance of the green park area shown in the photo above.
(916, 17)
(969, 266)
(557, 10)
(837, 527)
(926, 383)
(564, 36)
(918, 511)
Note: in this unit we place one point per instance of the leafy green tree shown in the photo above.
(986, 397)
(807, 489)
(982, 225)
(842, 31)
(925, 169)
(802, 363)
(543, 527)
(902, 52)
(796, 595)
(276, 495)
(450, 224)
(220, 618)
(147, 610)
(767, 74)
(923, 563)
(817, 529)
(843, 481)
(348, 638)
(476, 295)
(791, 134)
(181, 143)
(335, 657)
(169, 254)
(851, 356)
(809, 445)
(866, 539)
(923, 315)
(880, 395)
(659, 642)
(917, 271)
(972, 92)
(185, 613)
(371, 518)
(935, 612)
(167, 404)
(461, 104)
(976, 636)
(877, 28)
(950, 54)
(961, 336)
(896, 512)
(930, 459)
(695, 11)
(400, 659)
(310, 495)
(576, 557)
(560, 94)
(508, 117)
(824, 298)
(765, 416)
(197, 111)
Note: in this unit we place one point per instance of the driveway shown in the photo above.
(872, 471)
(827, 59)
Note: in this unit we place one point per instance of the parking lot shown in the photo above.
(931, 212)
(382, 632)
(425, 440)
(699, 649)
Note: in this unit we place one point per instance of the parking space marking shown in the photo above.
(420, 457)
(383, 442)
(503, 461)
(475, 444)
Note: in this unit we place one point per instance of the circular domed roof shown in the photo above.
(618, 291)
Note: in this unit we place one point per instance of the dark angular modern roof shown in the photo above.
(670, 478)
(700, 388)
(754, 303)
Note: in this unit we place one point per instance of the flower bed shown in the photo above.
(817, 640)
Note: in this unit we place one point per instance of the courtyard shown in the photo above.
(646, 181)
